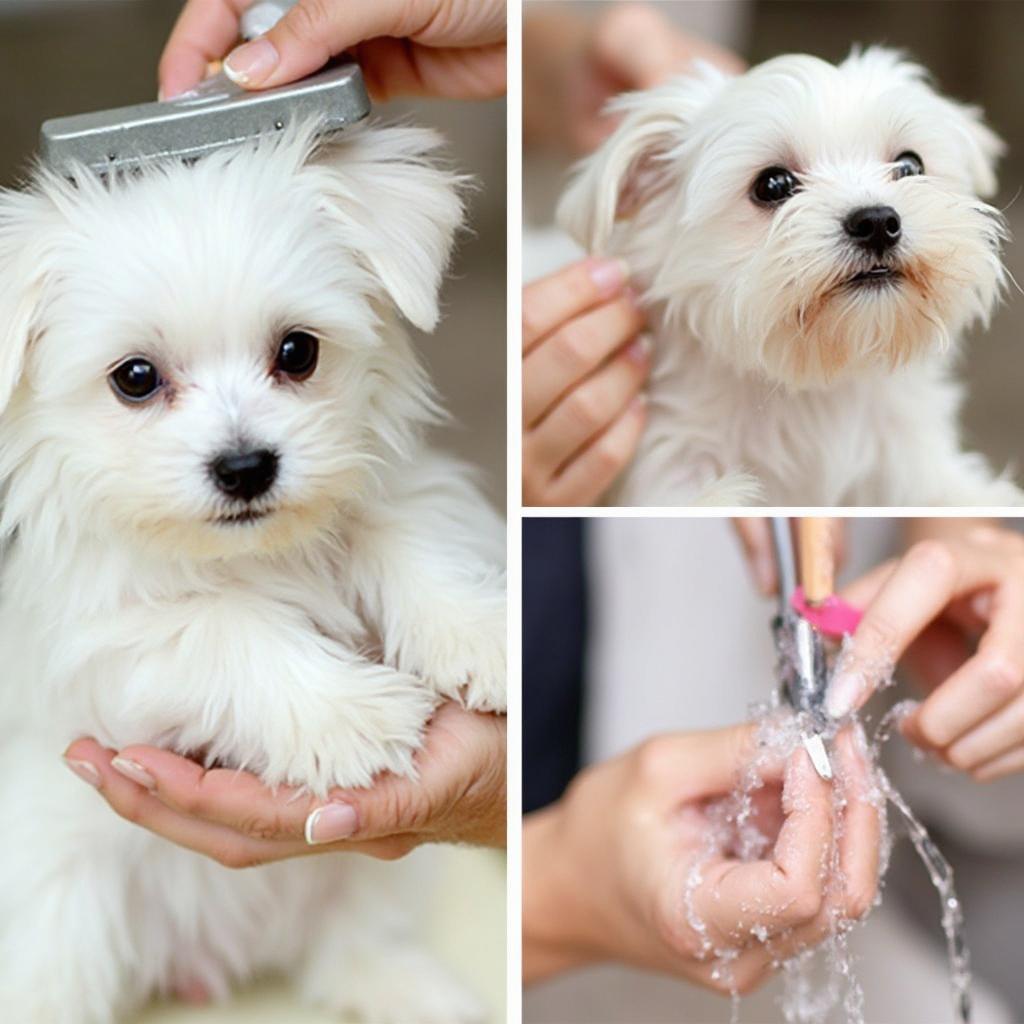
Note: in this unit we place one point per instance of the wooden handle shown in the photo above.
(817, 558)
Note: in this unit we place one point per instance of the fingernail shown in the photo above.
(161, 96)
(608, 275)
(251, 63)
(131, 770)
(639, 352)
(639, 403)
(843, 694)
(981, 604)
(85, 771)
(330, 823)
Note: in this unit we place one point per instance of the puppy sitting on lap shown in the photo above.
(224, 534)
(810, 246)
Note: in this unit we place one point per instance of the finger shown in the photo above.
(235, 799)
(584, 479)
(986, 682)
(740, 899)
(205, 31)
(920, 586)
(937, 653)
(574, 352)
(859, 842)
(755, 536)
(997, 735)
(135, 803)
(1009, 763)
(589, 409)
(554, 300)
(312, 32)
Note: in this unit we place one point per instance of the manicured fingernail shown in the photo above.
(85, 771)
(843, 694)
(251, 63)
(639, 351)
(330, 823)
(134, 771)
(608, 275)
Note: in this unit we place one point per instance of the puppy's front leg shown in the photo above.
(429, 571)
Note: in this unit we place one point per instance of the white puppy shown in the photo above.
(810, 246)
(224, 535)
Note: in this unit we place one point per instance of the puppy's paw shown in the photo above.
(462, 658)
(351, 734)
(398, 985)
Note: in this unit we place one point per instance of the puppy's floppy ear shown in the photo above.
(981, 146)
(398, 208)
(634, 163)
(25, 259)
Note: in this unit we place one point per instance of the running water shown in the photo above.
(820, 981)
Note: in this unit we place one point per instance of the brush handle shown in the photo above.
(817, 558)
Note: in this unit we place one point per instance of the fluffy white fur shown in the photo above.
(774, 382)
(310, 646)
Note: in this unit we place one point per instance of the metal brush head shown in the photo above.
(215, 114)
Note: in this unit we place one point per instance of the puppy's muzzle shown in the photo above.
(245, 475)
(875, 229)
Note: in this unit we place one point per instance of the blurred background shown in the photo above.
(62, 57)
(972, 48)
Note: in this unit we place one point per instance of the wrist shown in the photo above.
(551, 925)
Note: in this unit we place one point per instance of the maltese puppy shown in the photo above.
(223, 534)
(810, 246)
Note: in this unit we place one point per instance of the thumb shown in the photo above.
(314, 31)
(698, 765)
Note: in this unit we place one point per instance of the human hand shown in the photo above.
(607, 867)
(233, 818)
(453, 48)
(955, 607)
(583, 366)
(575, 66)
(755, 537)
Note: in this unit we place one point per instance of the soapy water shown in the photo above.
(820, 983)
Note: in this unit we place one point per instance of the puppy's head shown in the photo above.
(210, 357)
(805, 220)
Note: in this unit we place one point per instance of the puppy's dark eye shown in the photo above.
(774, 185)
(298, 354)
(135, 380)
(907, 164)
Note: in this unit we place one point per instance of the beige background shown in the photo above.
(67, 56)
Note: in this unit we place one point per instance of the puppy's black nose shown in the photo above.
(875, 228)
(245, 475)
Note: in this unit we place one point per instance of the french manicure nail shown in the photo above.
(609, 275)
(639, 352)
(330, 823)
(251, 63)
(85, 771)
(843, 694)
(134, 771)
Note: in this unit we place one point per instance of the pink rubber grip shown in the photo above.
(833, 616)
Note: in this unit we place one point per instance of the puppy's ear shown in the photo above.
(25, 222)
(634, 164)
(398, 209)
(981, 146)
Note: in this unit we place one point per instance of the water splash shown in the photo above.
(820, 981)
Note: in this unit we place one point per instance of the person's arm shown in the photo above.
(230, 816)
(453, 48)
(606, 868)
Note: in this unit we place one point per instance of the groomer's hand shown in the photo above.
(584, 363)
(453, 48)
(606, 868)
(233, 818)
(576, 64)
(954, 605)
